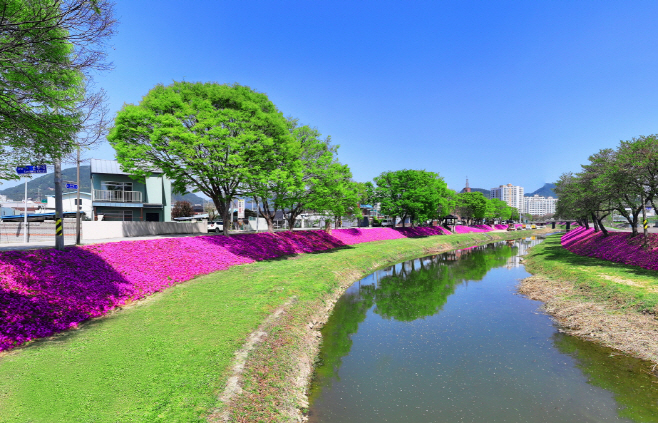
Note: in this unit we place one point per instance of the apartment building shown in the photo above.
(539, 206)
(510, 194)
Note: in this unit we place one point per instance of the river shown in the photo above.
(446, 338)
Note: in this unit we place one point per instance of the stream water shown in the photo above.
(446, 338)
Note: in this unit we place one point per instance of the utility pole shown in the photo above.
(78, 203)
(25, 214)
(59, 207)
(644, 221)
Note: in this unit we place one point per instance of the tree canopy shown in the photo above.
(413, 194)
(220, 140)
(624, 180)
(47, 50)
(471, 205)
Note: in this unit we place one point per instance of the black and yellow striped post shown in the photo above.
(59, 227)
(646, 224)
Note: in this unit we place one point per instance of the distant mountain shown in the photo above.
(39, 187)
(485, 192)
(545, 191)
(192, 198)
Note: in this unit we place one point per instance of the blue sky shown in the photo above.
(504, 92)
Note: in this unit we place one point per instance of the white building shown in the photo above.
(510, 194)
(69, 200)
(539, 206)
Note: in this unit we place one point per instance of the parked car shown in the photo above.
(216, 226)
(387, 222)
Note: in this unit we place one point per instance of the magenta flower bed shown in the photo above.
(617, 246)
(43, 292)
(501, 227)
(459, 229)
(487, 228)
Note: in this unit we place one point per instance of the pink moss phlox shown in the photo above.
(459, 229)
(618, 247)
(43, 292)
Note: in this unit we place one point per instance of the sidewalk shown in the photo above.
(70, 241)
(15, 246)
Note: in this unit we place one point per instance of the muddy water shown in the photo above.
(446, 339)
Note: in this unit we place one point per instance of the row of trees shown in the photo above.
(423, 196)
(622, 180)
(228, 141)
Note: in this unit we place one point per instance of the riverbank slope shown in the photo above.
(610, 303)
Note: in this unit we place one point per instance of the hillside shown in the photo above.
(39, 187)
(545, 191)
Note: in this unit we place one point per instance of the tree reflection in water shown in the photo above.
(404, 292)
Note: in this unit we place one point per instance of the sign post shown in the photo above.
(28, 170)
(240, 210)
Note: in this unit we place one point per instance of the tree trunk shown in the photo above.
(595, 223)
(634, 225)
(600, 220)
(327, 226)
(644, 218)
(226, 216)
(291, 221)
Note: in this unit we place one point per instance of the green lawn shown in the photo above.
(165, 359)
(601, 280)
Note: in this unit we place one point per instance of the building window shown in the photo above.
(117, 186)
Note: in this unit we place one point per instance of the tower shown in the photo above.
(466, 188)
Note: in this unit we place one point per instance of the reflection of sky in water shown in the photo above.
(445, 338)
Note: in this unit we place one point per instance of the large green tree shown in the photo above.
(499, 209)
(48, 49)
(471, 206)
(413, 194)
(337, 195)
(220, 140)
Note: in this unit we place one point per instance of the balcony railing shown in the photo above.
(118, 196)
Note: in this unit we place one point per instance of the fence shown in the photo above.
(92, 230)
(36, 231)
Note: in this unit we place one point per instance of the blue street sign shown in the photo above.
(21, 170)
(71, 186)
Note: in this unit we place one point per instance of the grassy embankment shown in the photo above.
(599, 300)
(167, 358)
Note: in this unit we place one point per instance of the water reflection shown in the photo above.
(631, 381)
(398, 296)
(444, 338)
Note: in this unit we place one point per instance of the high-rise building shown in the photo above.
(539, 206)
(510, 194)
